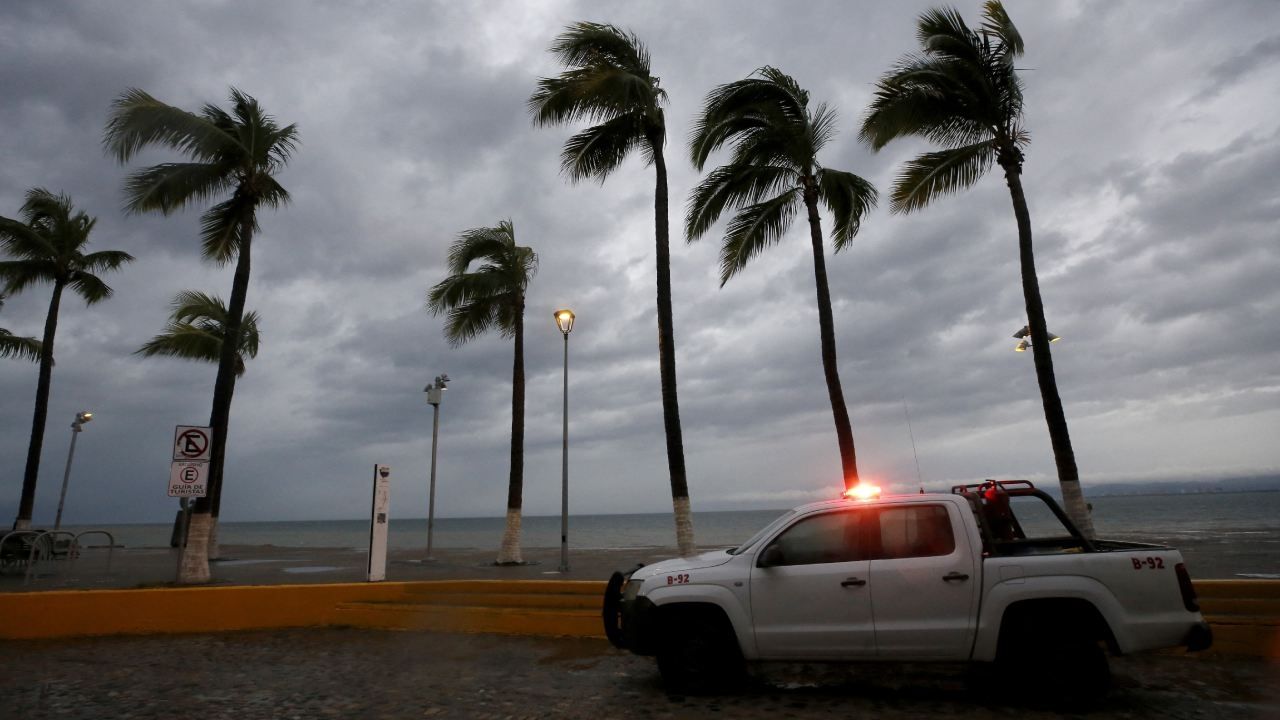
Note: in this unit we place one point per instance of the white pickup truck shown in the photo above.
(988, 573)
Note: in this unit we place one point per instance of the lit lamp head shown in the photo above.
(82, 417)
(1024, 339)
(564, 320)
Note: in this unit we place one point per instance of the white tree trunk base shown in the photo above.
(195, 556)
(214, 551)
(509, 554)
(21, 524)
(684, 526)
(1077, 509)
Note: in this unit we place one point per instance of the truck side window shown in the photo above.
(915, 531)
(827, 538)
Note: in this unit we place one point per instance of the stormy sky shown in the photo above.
(1152, 178)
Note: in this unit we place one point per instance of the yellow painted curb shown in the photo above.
(1245, 614)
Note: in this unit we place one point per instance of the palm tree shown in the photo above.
(608, 81)
(774, 169)
(48, 246)
(491, 296)
(236, 153)
(195, 331)
(27, 348)
(963, 92)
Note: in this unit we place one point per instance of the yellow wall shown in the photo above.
(1245, 614)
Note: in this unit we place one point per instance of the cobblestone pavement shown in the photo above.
(348, 673)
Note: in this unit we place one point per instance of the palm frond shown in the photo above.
(767, 100)
(89, 287)
(18, 275)
(849, 198)
(104, 260)
(171, 186)
(943, 32)
(222, 228)
(939, 173)
(21, 240)
(754, 228)
(732, 186)
(137, 120)
(995, 20)
(492, 294)
(468, 321)
(922, 97)
(599, 150)
(197, 329)
(23, 348)
(590, 43)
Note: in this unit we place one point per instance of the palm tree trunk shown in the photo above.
(195, 558)
(667, 360)
(509, 554)
(32, 472)
(1055, 417)
(827, 329)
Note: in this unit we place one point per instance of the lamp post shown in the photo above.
(435, 393)
(81, 418)
(1024, 339)
(564, 321)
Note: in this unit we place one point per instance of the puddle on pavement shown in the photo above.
(312, 569)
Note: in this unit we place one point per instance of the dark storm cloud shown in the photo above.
(1150, 177)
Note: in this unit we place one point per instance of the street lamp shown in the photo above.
(564, 321)
(81, 418)
(435, 393)
(1024, 339)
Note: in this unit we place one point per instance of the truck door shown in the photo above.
(809, 590)
(924, 582)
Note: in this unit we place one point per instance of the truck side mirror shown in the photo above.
(772, 556)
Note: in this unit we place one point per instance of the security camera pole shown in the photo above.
(81, 419)
(435, 393)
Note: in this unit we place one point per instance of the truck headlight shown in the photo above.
(631, 589)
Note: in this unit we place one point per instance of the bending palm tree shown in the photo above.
(195, 331)
(609, 81)
(237, 153)
(774, 169)
(488, 297)
(27, 348)
(963, 93)
(48, 246)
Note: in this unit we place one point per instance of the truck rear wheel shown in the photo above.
(700, 654)
(1054, 659)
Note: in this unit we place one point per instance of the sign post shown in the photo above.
(378, 522)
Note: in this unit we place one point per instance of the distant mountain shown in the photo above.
(1255, 483)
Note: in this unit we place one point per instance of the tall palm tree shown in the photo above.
(236, 153)
(195, 331)
(608, 81)
(488, 297)
(773, 170)
(48, 246)
(962, 91)
(26, 348)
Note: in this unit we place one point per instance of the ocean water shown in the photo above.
(1228, 520)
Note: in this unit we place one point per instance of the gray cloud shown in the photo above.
(1150, 176)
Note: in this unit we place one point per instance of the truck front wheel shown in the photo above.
(699, 654)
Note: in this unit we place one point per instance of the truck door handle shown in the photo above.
(954, 576)
(859, 582)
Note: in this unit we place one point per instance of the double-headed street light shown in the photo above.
(564, 321)
(435, 393)
(82, 417)
(1024, 339)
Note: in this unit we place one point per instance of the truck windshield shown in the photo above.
(766, 530)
